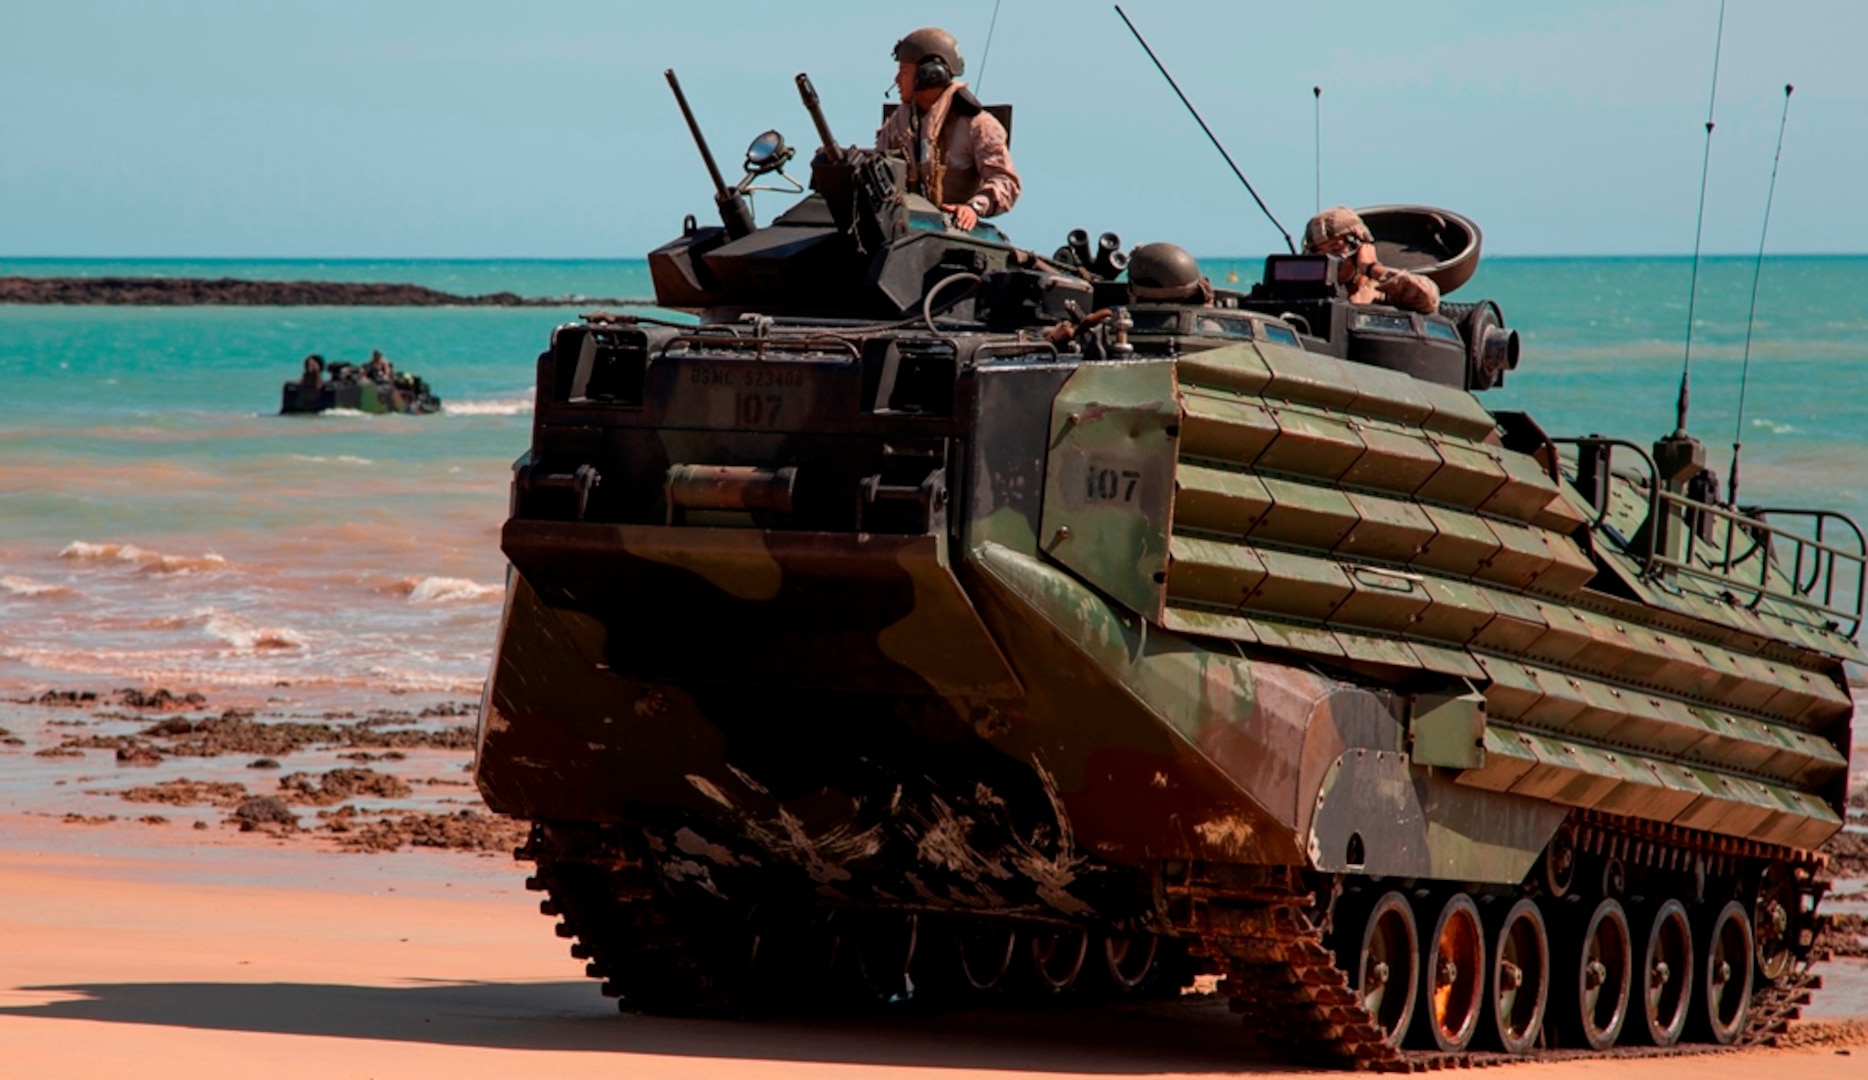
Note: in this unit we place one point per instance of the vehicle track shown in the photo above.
(1263, 930)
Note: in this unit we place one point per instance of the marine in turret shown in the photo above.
(957, 152)
(1340, 231)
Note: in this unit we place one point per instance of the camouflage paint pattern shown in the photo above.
(905, 614)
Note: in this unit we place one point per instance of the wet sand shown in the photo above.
(187, 947)
(247, 956)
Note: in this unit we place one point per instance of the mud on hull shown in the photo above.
(715, 845)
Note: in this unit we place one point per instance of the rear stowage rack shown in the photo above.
(1813, 561)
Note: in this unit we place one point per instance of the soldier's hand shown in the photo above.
(963, 215)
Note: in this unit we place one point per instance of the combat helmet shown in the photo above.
(935, 53)
(1332, 223)
(1168, 273)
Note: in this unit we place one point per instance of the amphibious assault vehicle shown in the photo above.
(348, 386)
(934, 619)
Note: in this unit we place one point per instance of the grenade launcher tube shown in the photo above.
(734, 213)
(832, 152)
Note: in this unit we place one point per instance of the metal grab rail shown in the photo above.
(1826, 565)
(811, 344)
(1823, 563)
(1593, 442)
(1819, 569)
(1014, 349)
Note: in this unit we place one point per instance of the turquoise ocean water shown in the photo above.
(159, 525)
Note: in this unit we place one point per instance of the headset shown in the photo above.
(932, 73)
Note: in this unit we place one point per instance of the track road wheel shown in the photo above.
(1452, 977)
(793, 967)
(1388, 964)
(1777, 898)
(1666, 979)
(1600, 974)
(885, 950)
(985, 951)
(1725, 980)
(1518, 984)
(1129, 961)
(1057, 956)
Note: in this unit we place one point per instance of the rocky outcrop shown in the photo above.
(158, 291)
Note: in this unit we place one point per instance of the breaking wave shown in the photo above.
(438, 590)
(338, 459)
(515, 406)
(152, 561)
(241, 634)
(20, 586)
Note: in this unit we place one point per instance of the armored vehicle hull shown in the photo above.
(346, 389)
(997, 647)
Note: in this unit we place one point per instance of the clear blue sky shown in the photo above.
(423, 128)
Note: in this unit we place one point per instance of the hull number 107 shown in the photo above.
(1110, 485)
(757, 410)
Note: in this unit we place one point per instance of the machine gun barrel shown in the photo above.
(734, 213)
(832, 150)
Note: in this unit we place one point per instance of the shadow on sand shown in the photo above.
(1181, 1036)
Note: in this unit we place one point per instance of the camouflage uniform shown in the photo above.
(966, 160)
(1407, 290)
(1398, 287)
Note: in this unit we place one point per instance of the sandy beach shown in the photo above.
(167, 940)
(246, 957)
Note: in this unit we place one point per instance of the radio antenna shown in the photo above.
(1317, 93)
(1209, 131)
(986, 53)
(1757, 271)
(1705, 167)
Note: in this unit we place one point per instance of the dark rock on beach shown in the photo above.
(65, 699)
(1846, 935)
(236, 732)
(340, 784)
(186, 792)
(158, 700)
(264, 812)
(463, 830)
(1848, 854)
(138, 754)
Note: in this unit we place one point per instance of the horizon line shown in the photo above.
(1748, 256)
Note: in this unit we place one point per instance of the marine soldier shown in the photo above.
(311, 384)
(956, 151)
(1339, 231)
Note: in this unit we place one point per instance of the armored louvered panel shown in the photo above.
(1349, 530)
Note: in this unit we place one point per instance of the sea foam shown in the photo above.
(242, 634)
(335, 459)
(436, 590)
(20, 586)
(153, 561)
(514, 406)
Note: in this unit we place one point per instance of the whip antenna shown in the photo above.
(1705, 166)
(1317, 93)
(986, 53)
(1757, 271)
(1209, 131)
